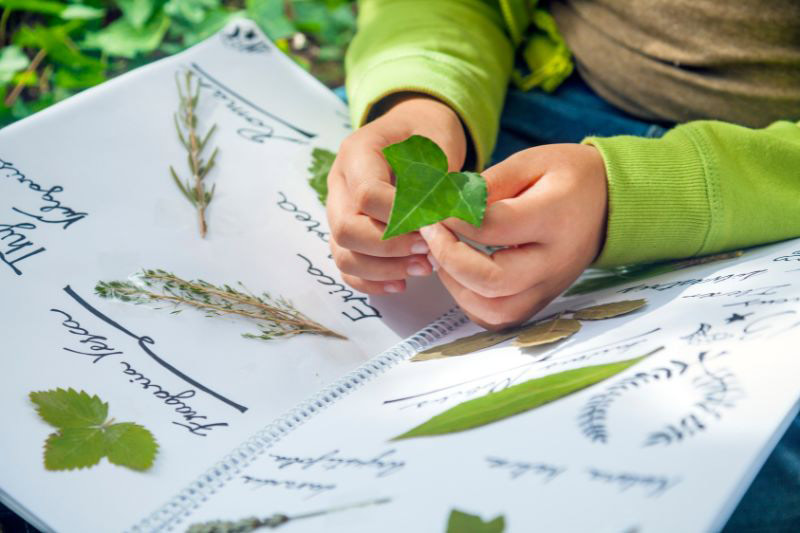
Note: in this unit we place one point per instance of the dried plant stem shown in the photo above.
(17, 90)
(275, 317)
(186, 125)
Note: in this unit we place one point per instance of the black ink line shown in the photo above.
(143, 340)
(306, 134)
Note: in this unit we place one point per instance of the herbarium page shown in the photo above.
(652, 414)
(150, 230)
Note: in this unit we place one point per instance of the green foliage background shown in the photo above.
(51, 49)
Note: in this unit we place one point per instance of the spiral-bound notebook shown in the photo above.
(249, 427)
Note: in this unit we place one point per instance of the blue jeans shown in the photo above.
(574, 111)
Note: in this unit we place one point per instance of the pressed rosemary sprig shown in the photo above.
(251, 524)
(275, 317)
(186, 125)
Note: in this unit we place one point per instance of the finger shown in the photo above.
(494, 313)
(504, 273)
(363, 234)
(374, 287)
(372, 268)
(513, 175)
(367, 176)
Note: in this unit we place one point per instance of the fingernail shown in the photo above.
(427, 232)
(434, 263)
(415, 269)
(420, 247)
(392, 287)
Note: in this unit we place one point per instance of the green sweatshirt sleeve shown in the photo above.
(454, 50)
(704, 187)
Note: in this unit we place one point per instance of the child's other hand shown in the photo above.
(549, 205)
(360, 194)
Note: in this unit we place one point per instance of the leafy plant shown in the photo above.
(69, 45)
(461, 522)
(516, 399)
(85, 434)
(544, 331)
(321, 163)
(275, 317)
(426, 191)
(186, 125)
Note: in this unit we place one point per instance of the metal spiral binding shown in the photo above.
(170, 514)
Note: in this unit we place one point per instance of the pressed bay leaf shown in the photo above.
(461, 522)
(426, 191)
(609, 310)
(466, 345)
(547, 332)
(516, 399)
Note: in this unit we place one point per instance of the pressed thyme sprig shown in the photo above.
(251, 524)
(186, 125)
(275, 317)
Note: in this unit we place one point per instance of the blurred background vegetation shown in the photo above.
(51, 49)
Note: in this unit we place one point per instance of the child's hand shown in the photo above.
(360, 195)
(549, 204)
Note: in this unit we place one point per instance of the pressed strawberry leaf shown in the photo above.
(426, 191)
(84, 435)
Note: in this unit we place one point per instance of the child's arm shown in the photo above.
(704, 187)
(434, 68)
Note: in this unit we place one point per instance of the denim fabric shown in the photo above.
(572, 112)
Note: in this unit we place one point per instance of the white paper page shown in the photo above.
(668, 445)
(85, 195)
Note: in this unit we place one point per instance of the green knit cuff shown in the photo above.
(659, 198)
(436, 75)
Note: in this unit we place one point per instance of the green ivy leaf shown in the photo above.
(516, 399)
(12, 60)
(321, 163)
(426, 192)
(137, 12)
(122, 39)
(84, 435)
(461, 522)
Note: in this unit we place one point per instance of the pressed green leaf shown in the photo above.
(122, 39)
(426, 192)
(137, 12)
(516, 399)
(69, 408)
(130, 445)
(321, 163)
(12, 60)
(84, 435)
(609, 310)
(461, 522)
(466, 345)
(547, 332)
(73, 448)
